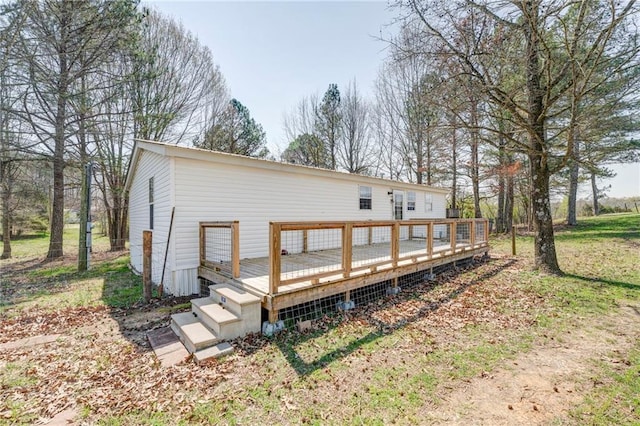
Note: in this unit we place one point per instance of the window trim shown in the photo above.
(411, 201)
(365, 202)
(428, 202)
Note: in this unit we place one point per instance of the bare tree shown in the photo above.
(355, 147)
(389, 159)
(302, 118)
(177, 91)
(407, 90)
(62, 42)
(542, 77)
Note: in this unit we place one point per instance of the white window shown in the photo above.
(411, 200)
(428, 202)
(365, 197)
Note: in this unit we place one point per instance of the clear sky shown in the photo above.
(272, 54)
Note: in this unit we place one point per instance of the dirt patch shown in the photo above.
(545, 383)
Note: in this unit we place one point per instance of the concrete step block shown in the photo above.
(217, 351)
(244, 304)
(234, 297)
(192, 333)
(224, 323)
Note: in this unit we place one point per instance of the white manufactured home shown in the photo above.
(206, 186)
(271, 236)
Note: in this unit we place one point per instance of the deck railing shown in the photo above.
(310, 251)
(220, 247)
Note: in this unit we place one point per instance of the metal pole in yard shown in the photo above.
(513, 240)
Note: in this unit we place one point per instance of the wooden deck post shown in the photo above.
(235, 249)
(370, 231)
(347, 249)
(454, 230)
(147, 244)
(430, 239)
(203, 244)
(274, 258)
(395, 243)
(473, 232)
(486, 230)
(305, 241)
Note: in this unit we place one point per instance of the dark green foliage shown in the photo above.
(236, 133)
(308, 150)
(329, 122)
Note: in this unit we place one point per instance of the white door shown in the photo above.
(398, 205)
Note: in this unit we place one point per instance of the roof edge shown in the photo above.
(175, 150)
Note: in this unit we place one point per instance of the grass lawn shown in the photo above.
(433, 354)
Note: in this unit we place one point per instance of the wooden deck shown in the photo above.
(286, 278)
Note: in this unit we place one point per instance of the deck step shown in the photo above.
(244, 304)
(224, 323)
(233, 296)
(217, 351)
(192, 333)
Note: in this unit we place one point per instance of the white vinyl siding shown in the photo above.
(215, 187)
(208, 192)
(156, 167)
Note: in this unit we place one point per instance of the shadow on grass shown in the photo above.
(620, 284)
(290, 339)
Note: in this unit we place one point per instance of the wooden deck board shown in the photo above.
(302, 277)
(254, 272)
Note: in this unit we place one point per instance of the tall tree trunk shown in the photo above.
(502, 173)
(594, 189)
(454, 168)
(428, 155)
(117, 219)
(57, 209)
(475, 172)
(5, 166)
(544, 246)
(574, 169)
(419, 157)
(509, 201)
(83, 255)
(6, 210)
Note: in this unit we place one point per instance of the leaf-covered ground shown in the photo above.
(492, 344)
